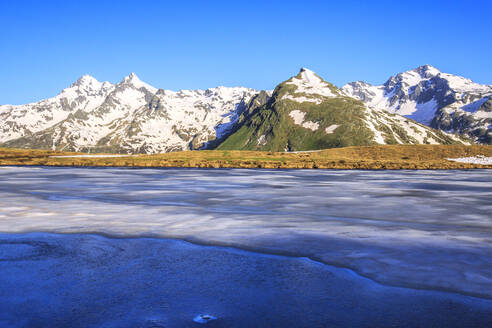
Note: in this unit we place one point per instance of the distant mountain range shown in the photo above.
(303, 113)
(443, 101)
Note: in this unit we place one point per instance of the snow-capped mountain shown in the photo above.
(440, 100)
(304, 112)
(85, 94)
(307, 113)
(129, 117)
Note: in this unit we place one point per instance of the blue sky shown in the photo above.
(46, 45)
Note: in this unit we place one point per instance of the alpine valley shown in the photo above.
(421, 106)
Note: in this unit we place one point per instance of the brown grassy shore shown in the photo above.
(368, 157)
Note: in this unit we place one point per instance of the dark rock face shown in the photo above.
(487, 106)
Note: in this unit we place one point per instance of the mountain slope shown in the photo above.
(443, 101)
(129, 117)
(308, 113)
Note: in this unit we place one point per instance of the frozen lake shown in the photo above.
(426, 233)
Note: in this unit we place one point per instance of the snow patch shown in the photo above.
(378, 135)
(423, 113)
(462, 84)
(302, 99)
(298, 118)
(479, 159)
(261, 140)
(482, 114)
(331, 128)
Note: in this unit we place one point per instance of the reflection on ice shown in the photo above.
(425, 229)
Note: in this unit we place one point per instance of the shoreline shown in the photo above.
(382, 157)
(383, 167)
(464, 168)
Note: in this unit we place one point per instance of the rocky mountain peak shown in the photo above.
(309, 87)
(308, 76)
(87, 81)
(427, 71)
(132, 80)
(412, 77)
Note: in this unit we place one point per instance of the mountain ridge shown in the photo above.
(132, 116)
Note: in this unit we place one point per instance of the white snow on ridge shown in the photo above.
(371, 95)
(462, 84)
(131, 97)
(137, 83)
(479, 159)
(309, 83)
(85, 94)
(414, 77)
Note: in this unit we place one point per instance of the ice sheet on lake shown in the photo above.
(425, 229)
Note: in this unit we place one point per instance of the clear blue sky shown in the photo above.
(46, 45)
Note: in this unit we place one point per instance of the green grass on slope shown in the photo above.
(279, 131)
